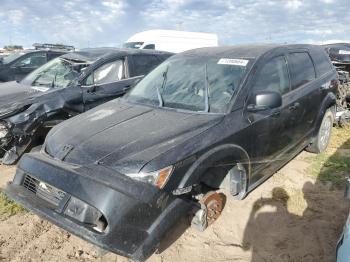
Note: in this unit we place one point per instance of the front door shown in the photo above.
(270, 131)
(106, 83)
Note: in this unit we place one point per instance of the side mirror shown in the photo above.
(347, 189)
(264, 100)
(89, 89)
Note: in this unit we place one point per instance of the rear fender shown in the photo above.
(328, 102)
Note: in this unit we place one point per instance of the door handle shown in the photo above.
(294, 106)
(127, 87)
(276, 113)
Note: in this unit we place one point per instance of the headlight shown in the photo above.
(3, 130)
(157, 178)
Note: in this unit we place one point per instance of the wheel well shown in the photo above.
(214, 177)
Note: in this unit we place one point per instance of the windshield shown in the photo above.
(12, 57)
(195, 84)
(58, 73)
(135, 45)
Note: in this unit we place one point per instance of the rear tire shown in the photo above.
(324, 133)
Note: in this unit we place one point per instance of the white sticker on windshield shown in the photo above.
(344, 52)
(230, 61)
(40, 88)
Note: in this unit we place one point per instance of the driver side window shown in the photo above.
(33, 60)
(107, 73)
(273, 77)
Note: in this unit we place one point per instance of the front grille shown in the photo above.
(43, 190)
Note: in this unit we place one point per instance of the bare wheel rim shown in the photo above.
(325, 132)
(214, 204)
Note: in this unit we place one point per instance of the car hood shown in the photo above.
(124, 136)
(13, 96)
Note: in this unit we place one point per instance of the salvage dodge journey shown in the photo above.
(205, 121)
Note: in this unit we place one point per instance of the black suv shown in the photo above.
(19, 64)
(124, 173)
(64, 87)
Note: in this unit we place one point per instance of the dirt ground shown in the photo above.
(292, 217)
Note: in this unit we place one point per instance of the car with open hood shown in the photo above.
(64, 87)
(18, 64)
(339, 54)
(122, 174)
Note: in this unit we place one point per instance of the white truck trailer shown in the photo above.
(171, 40)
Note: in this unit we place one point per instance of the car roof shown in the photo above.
(26, 51)
(337, 45)
(242, 51)
(94, 54)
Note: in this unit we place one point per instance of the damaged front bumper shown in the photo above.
(109, 210)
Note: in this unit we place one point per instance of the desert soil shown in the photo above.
(291, 217)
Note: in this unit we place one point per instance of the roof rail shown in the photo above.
(38, 46)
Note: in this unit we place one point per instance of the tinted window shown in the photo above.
(302, 69)
(53, 55)
(12, 57)
(144, 64)
(107, 73)
(33, 60)
(135, 45)
(273, 76)
(322, 62)
(150, 46)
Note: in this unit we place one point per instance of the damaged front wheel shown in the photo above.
(211, 206)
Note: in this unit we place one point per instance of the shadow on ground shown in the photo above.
(316, 229)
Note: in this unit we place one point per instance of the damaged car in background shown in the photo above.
(64, 87)
(339, 54)
(17, 65)
(223, 118)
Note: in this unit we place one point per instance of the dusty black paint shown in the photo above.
(88, 155)
(30, 113)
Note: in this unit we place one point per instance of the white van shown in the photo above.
(171, 40)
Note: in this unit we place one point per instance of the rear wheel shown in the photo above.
(322, 139)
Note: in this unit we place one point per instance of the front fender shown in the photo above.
(227, 154)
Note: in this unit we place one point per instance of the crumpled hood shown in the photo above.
(14, 95)
(124, 136)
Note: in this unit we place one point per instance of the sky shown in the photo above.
(94, 23)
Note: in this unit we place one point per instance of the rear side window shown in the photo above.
(273, 77)
(302, 69)
(144, 64)
(150, 46)
(322, 62)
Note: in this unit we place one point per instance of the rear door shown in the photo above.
(107, 82)
(305, 96)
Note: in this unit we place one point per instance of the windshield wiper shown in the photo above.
(159, 94)
(207, 90)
